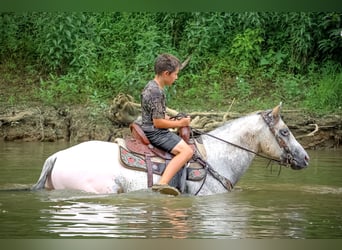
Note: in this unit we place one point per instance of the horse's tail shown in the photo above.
(46, 171)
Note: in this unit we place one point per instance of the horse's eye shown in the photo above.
(284, 132)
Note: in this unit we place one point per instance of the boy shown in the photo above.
(156, 123)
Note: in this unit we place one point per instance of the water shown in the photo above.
(296, 204)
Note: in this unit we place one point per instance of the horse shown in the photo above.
(95, 167)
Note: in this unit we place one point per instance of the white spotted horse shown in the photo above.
(114, 167)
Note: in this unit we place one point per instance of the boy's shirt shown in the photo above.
(153, 105)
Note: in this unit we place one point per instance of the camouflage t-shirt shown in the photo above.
(153, 105)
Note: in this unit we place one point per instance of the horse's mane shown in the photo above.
(237, 120)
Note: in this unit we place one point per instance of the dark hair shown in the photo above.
(166, 62)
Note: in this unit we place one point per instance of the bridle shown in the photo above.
(270, 121)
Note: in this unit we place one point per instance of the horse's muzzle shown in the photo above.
(296, 161)
(300, 162)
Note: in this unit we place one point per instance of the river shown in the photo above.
(265, 204)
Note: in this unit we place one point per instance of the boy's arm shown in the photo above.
(167, 123)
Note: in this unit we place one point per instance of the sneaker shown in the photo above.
(165, 189)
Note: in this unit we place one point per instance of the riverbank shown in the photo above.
(81, 123)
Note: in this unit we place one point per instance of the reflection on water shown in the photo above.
(86, 219)
(129, 216)
(120, 216)
(295, 204)
(238, 215)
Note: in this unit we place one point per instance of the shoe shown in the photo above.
(165, 189)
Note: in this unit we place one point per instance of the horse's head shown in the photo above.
(288, 150)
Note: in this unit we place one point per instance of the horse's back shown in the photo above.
(89, 166)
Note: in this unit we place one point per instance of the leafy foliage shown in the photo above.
(243, 57)
(326, 95)
(246, 49)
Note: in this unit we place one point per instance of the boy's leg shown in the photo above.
(182, 154)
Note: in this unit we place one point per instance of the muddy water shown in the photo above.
(265, 204)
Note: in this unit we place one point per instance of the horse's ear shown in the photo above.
(276, 112)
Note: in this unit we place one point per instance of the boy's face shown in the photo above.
(170, 77)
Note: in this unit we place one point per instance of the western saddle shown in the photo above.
(138, 143)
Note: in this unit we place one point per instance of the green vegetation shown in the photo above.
(252, 60)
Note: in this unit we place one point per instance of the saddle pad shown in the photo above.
(137, 162)
(194, 173)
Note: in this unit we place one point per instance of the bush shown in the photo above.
(233, 55)
(326, 94)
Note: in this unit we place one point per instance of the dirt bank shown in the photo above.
(81, 123)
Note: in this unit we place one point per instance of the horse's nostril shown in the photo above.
(306, 159)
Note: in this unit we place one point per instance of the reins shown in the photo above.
(181, 115)
(235, 145)
(223, 180)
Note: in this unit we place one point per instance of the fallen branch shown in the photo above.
(124, 111)
(15, 117)
(185, 62)
(311, 133)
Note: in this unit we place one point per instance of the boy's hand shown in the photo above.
(185, 121)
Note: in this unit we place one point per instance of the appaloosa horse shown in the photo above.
(95, 166)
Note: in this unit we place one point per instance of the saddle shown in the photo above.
(139, 154)
(140, 144)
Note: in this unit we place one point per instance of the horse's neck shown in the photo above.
(227, 159)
